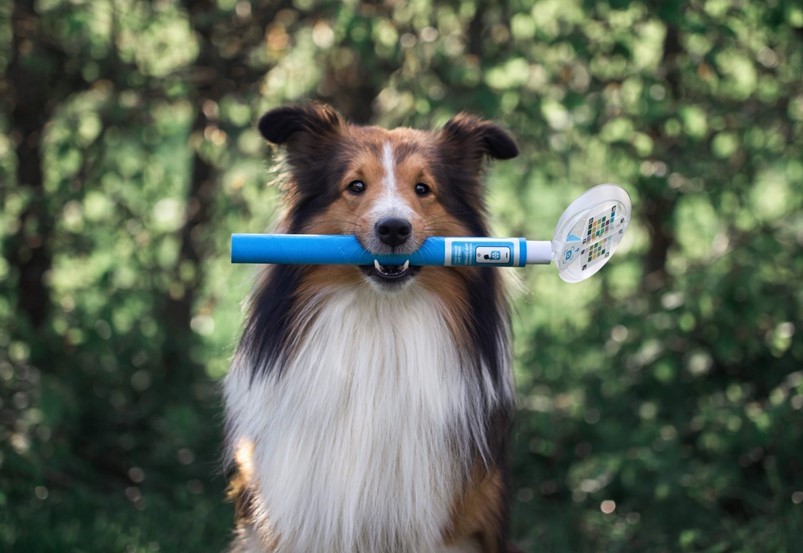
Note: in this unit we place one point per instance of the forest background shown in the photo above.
(660, 402)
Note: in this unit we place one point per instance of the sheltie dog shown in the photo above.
(367, 408)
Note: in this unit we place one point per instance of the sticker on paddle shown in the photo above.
(589, 231)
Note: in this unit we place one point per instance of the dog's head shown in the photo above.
(390, 188)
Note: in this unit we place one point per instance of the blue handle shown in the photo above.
(320, 249)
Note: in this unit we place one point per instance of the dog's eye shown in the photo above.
(422, 189)
(356, 187)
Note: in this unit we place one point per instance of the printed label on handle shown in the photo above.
(482, 251)
(487, 255)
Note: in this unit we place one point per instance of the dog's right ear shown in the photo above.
(288, 125)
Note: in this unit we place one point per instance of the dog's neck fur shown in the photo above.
(362, 440)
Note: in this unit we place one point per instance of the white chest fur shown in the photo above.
(359, 444)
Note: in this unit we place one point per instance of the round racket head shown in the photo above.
(589, 231)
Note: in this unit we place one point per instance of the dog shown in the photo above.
(368, 408)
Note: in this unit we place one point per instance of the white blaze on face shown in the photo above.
(390, 203)
(389, 165)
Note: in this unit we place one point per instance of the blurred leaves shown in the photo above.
(659, 401)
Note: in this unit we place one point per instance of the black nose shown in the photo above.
(393, 231)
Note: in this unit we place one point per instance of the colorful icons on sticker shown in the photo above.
(598, 227)
(598, 250)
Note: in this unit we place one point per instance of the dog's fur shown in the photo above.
(368, 408)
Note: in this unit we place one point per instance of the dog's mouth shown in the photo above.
(390, 274)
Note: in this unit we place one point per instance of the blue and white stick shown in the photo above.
(585, 237)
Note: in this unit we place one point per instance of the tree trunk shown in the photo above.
(28, 249)
(659, 202)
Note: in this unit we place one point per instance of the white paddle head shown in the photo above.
(589, 231)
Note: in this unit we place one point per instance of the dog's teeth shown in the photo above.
(391, 270)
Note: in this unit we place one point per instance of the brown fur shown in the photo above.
(481, 511)
(241, 491)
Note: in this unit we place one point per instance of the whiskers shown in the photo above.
(351, 224)
(439, 225)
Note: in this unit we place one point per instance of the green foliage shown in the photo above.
(659, 402)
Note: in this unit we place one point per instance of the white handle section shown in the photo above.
(539, 252)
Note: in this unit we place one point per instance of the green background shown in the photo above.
(660, 403)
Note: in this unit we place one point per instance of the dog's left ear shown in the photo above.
(475, 139)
